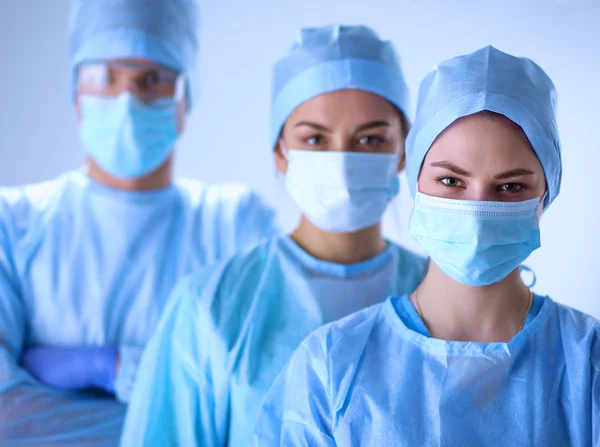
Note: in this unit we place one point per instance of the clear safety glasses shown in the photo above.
(148, 82)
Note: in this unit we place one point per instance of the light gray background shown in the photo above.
(228, 132)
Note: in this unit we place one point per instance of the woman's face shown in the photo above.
(482, 157)
(344, 121)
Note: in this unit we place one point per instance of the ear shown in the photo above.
(281, 162)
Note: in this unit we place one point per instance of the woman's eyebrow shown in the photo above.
(451, 167)
(502, 176)
(314, 126)
(513, 173)
(372, 125)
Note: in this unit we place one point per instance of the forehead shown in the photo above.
(345, 104)
(132, 65)
(484, 140)
(133, 61)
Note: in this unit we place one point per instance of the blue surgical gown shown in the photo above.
(226, 336)
(378, 378)
(83, 264)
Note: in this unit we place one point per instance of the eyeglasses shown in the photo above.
(148, 82)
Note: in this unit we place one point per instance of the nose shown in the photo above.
(337, 145)
(129, 85)
(479, 193)
(341, 144)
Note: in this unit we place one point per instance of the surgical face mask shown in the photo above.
(342, 192)
(476, 243)
(127, 138)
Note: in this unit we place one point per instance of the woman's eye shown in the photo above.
(450, 181)
(511, 187)
(314, 140)
(369, 140)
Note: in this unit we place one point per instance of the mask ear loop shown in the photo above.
(181, 88)
(533, 279)
(284, 150)
(524, 267)
(542, 205)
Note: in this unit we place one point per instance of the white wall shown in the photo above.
(240, 41)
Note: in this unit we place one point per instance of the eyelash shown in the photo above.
(441, 180)
(376, 140)
(520, 187)
(307, 140)
(500, 188)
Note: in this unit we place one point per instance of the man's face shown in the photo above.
(145, 79)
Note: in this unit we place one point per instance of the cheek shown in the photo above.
(391, 146)
(400, 150)
(426, 181)
(427, 185)
(402, 146)
(291, 137)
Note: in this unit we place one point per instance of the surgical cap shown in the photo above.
(488, 79)
(334, 58)
(163, 31)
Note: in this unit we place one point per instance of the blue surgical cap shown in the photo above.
(163, 31)
(334, 58)
(488, 79)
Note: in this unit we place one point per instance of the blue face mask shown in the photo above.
(476, 243)
(127, 138)
(342, 192)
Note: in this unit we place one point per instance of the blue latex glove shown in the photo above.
(72, 368)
